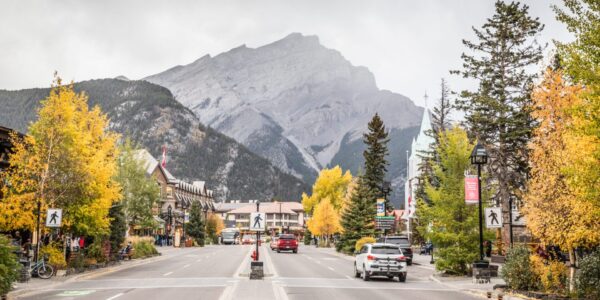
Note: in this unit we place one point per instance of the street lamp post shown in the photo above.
(479, 157)
(257, 232)
(385, 190)
(169, 222)
(184, 206)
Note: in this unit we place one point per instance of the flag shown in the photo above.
(163, 162)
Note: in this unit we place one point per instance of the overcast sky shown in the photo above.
(409, 45)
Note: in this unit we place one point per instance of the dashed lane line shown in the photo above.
(168, 273)
(186, 266)
(115, 296)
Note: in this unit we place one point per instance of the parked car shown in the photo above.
(287, 242)
(402, 242)
(380, 260)
(274, 243)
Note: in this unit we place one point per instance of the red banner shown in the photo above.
(471, 189)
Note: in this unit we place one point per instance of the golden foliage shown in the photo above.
(555, 205)
(67, 161)
(331, 184)
(552, 274)
(325, 220)
(362, 241)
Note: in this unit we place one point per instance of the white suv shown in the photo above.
(380, 260)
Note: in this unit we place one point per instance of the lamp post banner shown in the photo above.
(471, 189)
(380, 207)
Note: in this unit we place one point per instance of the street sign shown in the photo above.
(53, 217)
(517, 218)
(493, 217)
(471, 189)
(380, 207)
(257, 221)
(386, 222)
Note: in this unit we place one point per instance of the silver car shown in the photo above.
(380, 259)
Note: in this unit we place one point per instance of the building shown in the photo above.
(176, 198)
(281, 217)
(420, 144)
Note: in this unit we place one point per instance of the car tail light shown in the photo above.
(371, 257)
(401, 258)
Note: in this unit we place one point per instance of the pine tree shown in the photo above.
(358, 217)
(498, 112)
(375, 163)
(440, 116)
(118, 227)
(195, 227)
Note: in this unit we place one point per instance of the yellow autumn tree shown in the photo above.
(331, 184)
(556, 209)
(68, 161)
(325, 221)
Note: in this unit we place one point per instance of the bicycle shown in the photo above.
(42, 270)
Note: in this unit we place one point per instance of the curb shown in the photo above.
(84, 276)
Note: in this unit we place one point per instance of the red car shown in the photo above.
(287, 242)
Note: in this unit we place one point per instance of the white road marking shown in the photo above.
(186, 266)
(167, 274)
(349, 277)
(330, 268)
(115, 296)
(199, 260)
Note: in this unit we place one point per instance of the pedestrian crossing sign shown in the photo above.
(53, 217)
(257, 221)
(493, 217)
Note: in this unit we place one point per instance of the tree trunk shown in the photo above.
(572, 261)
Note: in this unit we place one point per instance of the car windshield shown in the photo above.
(395, 241)
(385, 250)
(286, 237)
(228, 235)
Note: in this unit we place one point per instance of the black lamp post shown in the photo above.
(385, 191)
(479, 157)
(184, 206)
(169, 222)
(258, 232)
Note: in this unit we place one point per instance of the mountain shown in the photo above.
(150, 115)
(295, 102)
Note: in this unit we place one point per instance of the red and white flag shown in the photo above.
(163, 162)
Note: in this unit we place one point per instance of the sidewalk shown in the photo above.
(35, 284)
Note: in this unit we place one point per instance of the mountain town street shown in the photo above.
(221, 272)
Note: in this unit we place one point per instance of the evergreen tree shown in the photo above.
(118, 227)
(375, 163)
(440, 115)
(498, 112)
(358, 217)
(195, 227)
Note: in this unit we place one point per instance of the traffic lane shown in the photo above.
(299, 293)
(165, 276)
(101, 293)
(288, 264)
(164, 266)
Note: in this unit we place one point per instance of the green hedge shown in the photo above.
(9, 266)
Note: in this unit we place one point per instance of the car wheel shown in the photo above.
(295, 251)
(391, 277)
(365, 274)
(409, 262)
(356, 272)
(402, 277)
(278, 251)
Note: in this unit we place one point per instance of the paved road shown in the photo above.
(220, 272)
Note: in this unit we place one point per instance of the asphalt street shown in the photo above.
(221, 272)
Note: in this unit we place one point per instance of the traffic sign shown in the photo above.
(493, 217)
(385, 222)
(53, 217)
(257, 221)
(517, 218)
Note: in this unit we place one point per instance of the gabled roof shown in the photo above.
(148, 161)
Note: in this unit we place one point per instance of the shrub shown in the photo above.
(95, 251)
(552, 274)
(56, 257)
(588, 278)
(143, 246)
(9, 266)
(308, 238)
(517, 271)
(362, 241)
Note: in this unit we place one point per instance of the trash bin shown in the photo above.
(24, 274)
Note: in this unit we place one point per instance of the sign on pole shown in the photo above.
(517, 218)
(380, 207)
(53, 217)
(493, 217)
(386, 222)
(257, 221)
(471, 189)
